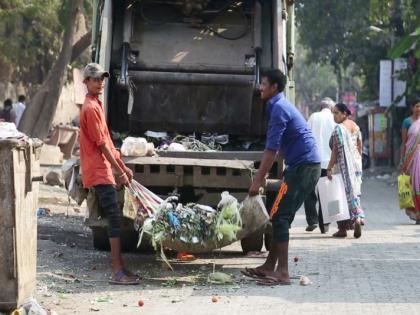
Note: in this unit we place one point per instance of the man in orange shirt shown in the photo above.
(99, 162)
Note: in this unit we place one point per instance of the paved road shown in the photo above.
(377, 274)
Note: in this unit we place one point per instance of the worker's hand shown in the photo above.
(122, 179)
(254, 189)
(129, 173)
(329, 174)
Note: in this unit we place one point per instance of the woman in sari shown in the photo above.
(411, 166)
(347, 156)
(415, 115)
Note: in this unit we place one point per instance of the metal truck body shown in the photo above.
(192, 67)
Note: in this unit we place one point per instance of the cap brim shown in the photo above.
(105, 74)
(100, 74)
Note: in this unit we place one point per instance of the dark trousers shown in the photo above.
(107, 196)
(314, 216)
(298, 184)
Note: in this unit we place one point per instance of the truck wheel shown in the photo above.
(252, 243)
(100, 238)
(129, 239)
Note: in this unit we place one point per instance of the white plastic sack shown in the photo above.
(137, 147)
(176, 147)
(332, 196)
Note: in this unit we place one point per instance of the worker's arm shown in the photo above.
(266, 163)
(275, 130)
(121, 174)
(128, 171)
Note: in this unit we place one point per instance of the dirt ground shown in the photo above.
(68, 265)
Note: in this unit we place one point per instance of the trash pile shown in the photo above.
(170, 220)
(195, 223)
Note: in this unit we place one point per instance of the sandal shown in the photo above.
(121, 278)
(272, 281)
(251, 275)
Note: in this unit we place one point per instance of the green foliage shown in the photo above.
(31, 34)
(314, 80)
(340, 34)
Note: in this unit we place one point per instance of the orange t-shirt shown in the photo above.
(96, 169)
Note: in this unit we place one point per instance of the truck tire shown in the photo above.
(129, 239)
(253, 243)
(100, 238)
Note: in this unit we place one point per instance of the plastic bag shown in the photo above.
(137, 147)
(332, 196)
(405, 191)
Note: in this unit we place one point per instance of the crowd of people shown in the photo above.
(13, 112)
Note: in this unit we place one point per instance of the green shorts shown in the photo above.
(298, 183)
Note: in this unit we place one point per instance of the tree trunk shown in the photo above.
(81, 45)
(38, 117)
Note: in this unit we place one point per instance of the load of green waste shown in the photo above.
(194, 223)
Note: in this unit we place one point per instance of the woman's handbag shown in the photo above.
(405, 191)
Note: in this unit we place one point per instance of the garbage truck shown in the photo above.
(192, 67)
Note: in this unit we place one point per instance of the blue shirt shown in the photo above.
(288, 132)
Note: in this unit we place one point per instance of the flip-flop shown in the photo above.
(272, 281)
(119, 279)
(255, 272)
(251, 275)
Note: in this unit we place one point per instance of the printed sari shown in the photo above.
(350, 165)
(411, 163)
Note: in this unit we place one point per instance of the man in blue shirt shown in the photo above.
(289, 134)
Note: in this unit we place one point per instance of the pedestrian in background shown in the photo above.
(19, 109)
(347, 155)
(322, 125)
(8, 114)
(407, 122)
(410, 163)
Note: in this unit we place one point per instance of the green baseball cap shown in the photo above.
(94, 70)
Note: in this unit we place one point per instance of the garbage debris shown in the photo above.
(189, 143)
(8, 131)
(195, 223)
(141, 303)
(31, 307)
(304, 280)
(176, 147)
(215, 299)
(183, 256)
(220, 278)
(43, 212)
(137, 147)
